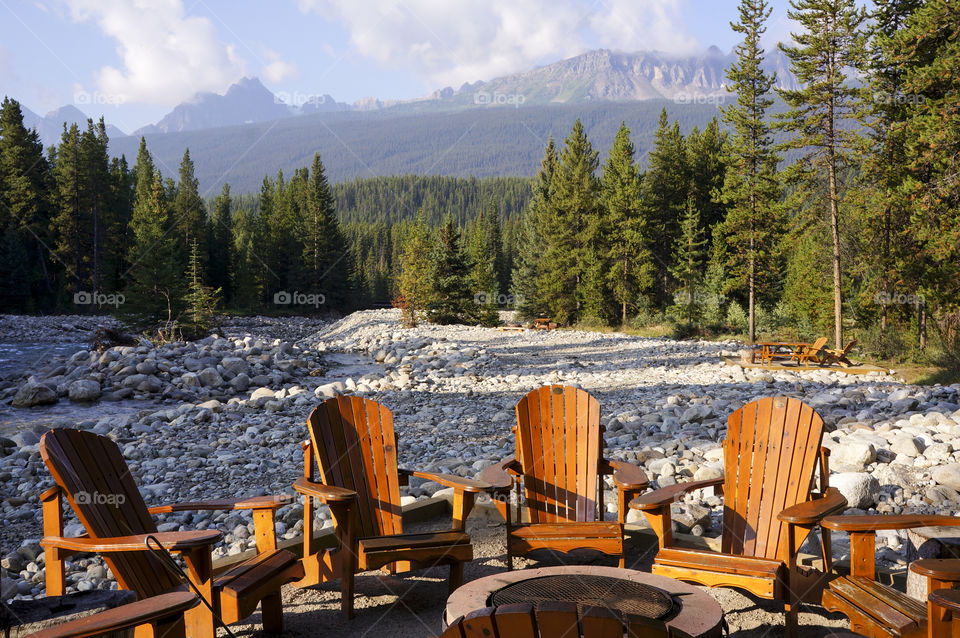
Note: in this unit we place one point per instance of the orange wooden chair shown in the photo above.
(553, 620)
(558, 470)
(770, 452)
(811, 353)
(355, 447)
(90, 471)
(838, 356)
(163, 614)
(877, 609)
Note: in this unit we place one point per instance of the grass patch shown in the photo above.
(658, 330)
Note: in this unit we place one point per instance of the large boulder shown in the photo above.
(84, 390)
(859, 488)
(210, 378)
(33, 394)
(948, 475)
(853, 454)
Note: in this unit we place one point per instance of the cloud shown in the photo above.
(449, 42)
(275, 69)
(167, 55)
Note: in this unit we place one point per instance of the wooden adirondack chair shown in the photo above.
(553, 620)
(90, 471)
(876, 609)
(831, 356)
(355, 447)
(943, 609)
(771, 448)
(560, 461)
(811, 352)
(163, 614)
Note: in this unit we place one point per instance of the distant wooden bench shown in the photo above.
(511, 328)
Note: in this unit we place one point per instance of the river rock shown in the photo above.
(84, 390)
(33, 394)
(853, 454)
(948, 475)
(859, 488)
(210, 378)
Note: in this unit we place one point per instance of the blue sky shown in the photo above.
(133, 60)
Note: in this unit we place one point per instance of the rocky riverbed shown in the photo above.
(226, 417)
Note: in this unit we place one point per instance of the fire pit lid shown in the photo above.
(626, 596)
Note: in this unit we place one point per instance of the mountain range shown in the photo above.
(494, 127)
(50, 126)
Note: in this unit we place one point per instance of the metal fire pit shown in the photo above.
(681, 607)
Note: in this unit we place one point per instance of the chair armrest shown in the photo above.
(811, 512)
(874, 523)
(941, 569)
(626, 476)
(50, 492)
(325, 493)
(254, 503)
(498, 475)
(142, 612)
(173, 541)
(946, 598)
(665, 495)
(456, 482)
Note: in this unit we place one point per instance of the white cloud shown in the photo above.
(448, 42)
(275, 69)
(167, 55)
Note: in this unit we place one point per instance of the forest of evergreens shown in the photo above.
(856, 237)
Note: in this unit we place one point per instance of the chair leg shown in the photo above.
(346, 594)
(790, 616)
(271, 611)
(456, 575)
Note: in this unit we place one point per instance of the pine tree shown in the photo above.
(751, 187)
(154, 271)
(451, 301)
(483, 253)
(708, 153)
(246, 265)
(688, 263)
(567, 241)
(829, 46)
(220, 244)
(631, 262)
(326, 254)
(413, 282)
(201, 301)
(666, 186)
(72, 249)
(188, 211)
(530, 240)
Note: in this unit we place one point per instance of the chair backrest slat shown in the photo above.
(559, 446)
(102, 493)
(355, 448)
(770, 455)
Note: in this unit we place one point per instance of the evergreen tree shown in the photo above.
(247, 267)
(751, 187)
(567, 236)
(144, 173)
(688, 263)
(326, 254)
(829, 46)
(220, 244)
(415, 292)
(530, 239)
(117, 237)
(189, 213)
(200, 301)
(708, 153)
(73, 245)
(451, 301)
(154, 256)
(483, 253)
(630, 260)
(666, 186)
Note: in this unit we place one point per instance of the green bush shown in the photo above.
(737, 317)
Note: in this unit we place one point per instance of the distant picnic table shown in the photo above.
(770, 350)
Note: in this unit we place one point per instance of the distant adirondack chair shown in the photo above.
(811, 353)
(163, 614)
(771, 450)
(355, 447)
(560, 461)
(90, 471)
(553, 620)
(831, 356)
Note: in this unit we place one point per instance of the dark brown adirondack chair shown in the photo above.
(91, 473)
(553, 620)
(876, 609)
(163, 614)
(559, 461)
(771, 449)
(355, 447)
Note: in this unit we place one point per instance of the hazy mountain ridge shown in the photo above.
(50, 126)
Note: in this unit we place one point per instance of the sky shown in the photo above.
(133, 60)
